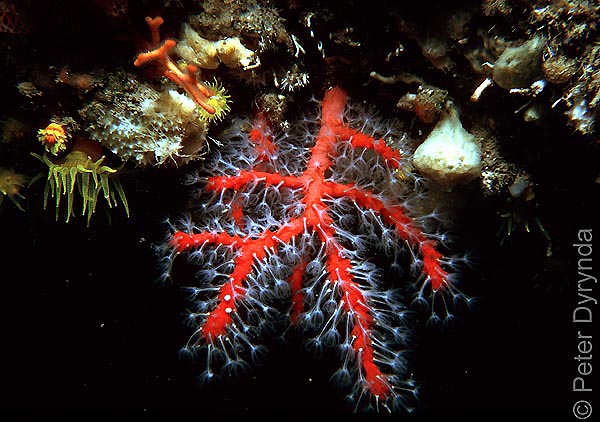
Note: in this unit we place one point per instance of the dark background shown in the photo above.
(87, 328)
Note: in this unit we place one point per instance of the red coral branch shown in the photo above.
(349, 293)
(185, 79)
(262, 137)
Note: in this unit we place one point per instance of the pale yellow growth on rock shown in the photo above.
(208, 54)
(517, 66)
(449, 155)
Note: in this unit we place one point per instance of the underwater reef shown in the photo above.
(272, 206)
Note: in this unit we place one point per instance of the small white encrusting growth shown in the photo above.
(581, 117)
(208, 54)
(449, 155)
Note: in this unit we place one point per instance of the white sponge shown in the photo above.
(449, 155)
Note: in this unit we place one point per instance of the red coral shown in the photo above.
(13, 19)
(281, 228)
(185, 79)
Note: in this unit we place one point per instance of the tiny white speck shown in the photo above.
(228, 310)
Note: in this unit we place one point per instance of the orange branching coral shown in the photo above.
(211, 99)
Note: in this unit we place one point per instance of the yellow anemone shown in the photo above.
(91, 178)
(11, 183)
(219, 100)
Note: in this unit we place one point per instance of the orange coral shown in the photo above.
(13, 20)
(54, 138)
(186, 79)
